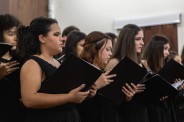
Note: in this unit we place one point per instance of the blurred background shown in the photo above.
(159, 16)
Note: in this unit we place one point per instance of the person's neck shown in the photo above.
(46, 57)
(97, 66)
(50, 59)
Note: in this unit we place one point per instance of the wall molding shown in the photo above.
(51, 8)
(149, 20)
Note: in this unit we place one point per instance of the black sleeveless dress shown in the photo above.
(162, 111)
(135, 110)
(11, 106)
(98, 109)
(180, 105)
(63, 113)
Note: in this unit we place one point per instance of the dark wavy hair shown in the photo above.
(7, 22)
(28, 42)
(72, 41)
(69, 29)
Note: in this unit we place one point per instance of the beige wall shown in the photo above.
(90, 15)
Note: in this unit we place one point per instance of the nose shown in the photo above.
(15, 38)
(142, 42)
(61, 38)
(167, 52)
(110, 53)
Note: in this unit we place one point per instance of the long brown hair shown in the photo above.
(125, 45)
(154, 52)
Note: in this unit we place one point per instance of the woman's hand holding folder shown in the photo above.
(140, 88)
(7, 68)
(163, 98)
(76, 96)
(181, 86)
(178, 84)
(104, 80)
(92, 91)
(131, 90)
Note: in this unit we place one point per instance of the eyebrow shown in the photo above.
(10, 31)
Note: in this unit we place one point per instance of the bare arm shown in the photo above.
(112, 63)
(31, 77)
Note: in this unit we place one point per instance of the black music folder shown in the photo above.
(156, 88)
(171, 71)
(62, 58)
(72, 73)
(4, 47)
(127, 71)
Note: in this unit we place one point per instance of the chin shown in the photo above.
(13, 48)
(106, 62)
(60, 50)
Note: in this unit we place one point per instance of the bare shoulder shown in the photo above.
(30, 63)
(144, 63)
(30, 66)
(112, 63)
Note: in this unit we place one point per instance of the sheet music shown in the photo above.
(177, 84)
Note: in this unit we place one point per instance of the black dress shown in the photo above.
(163, 111)
(11, 106)
(63, 113)
(134, 111)
(180, 105)
(98, 109)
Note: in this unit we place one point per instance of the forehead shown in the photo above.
(167, 45)
(13, 29)
(109, 43)
(81, 41)
(139, 34)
